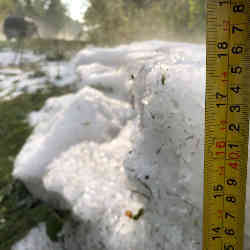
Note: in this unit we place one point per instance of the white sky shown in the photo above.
(76, 8)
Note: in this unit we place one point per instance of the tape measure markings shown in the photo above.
(226, 124)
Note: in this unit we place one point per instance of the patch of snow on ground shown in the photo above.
(37, 239)
(9, 57)
(60, 73)
(15, 80)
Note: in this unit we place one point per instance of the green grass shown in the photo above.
(19, 211)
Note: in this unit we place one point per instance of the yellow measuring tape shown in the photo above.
(226, 124)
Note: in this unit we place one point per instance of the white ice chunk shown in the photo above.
(37, 239)
(85, 116)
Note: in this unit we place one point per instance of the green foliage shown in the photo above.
(197, 14)
(55, 14)
(55, 223)
(19, 210)
(116, 21)
(105, 18)
(41, 8)
(6, 6)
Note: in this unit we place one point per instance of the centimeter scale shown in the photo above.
(226, 123)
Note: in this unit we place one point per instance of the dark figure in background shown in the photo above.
(19, 28)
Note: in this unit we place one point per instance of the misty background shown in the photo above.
(112, 22)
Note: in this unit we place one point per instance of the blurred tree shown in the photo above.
(104, 19)
(139, 3)
(197, 14)
(49, 12)
(55, 14)
(115, 21)
(6, 6)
